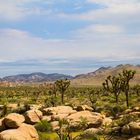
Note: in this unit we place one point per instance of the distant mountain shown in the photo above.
(35, 77)
(98, 71)
(97, 77)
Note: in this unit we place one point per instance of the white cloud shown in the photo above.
(116, 11)
(19, 45)
(18, 9)
(99, 28)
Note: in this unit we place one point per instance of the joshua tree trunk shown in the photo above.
(127, 98)
(62, 97)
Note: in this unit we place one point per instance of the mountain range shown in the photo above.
(35, 77)
(93, 78)
(97, 77)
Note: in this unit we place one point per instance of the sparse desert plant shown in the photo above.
(4, 111)
(43, 126)
(113, 85)
(83, 123)
(126, 119)
(62, 86)
(125, 77)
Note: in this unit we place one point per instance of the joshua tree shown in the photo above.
(113, 85)
(125, 77)
(62, 86)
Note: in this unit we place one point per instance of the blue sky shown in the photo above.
(67, 36)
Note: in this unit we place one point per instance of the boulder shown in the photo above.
(88, 134)
(33, 116)
(48, 118)
(132, 128)
(91, 118)
(29, 131)
(137, 114)
(24, 132)
(84, 107)
(48, 111)
(126, 130)
(55, 125)
(13, 120)
(127, 111)
(58, 110)
(2, 126)
(12, 107)
(116, 130)
(107, 121)
(135, 128)
(58, 117)
(138, 137)
(136, 109)
(12, 134)
(76, 126)
(135, 138)
(34, 107)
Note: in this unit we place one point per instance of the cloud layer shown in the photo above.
(44, 30)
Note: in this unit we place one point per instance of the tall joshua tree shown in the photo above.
(113, 85)
(125, 77)
(62, 86)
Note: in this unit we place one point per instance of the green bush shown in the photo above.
(43, 126)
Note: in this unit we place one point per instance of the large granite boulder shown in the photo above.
(12, 134)
(132, 128)
(91, 118)
(84, 107)
(2, 125)
(13, 120)
(135, 128)
(29, 131)
(58, 110)
(33, 116)
(24, 132)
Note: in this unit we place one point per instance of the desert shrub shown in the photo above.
(43, 126)
(4, 111)
(126, 119)
(115, 111)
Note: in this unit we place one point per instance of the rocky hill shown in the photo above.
(97, 77)
(36, 77)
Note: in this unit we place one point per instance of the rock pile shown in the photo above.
(13, 127)
(20, 127)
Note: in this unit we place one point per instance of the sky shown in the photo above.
(67, 36)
